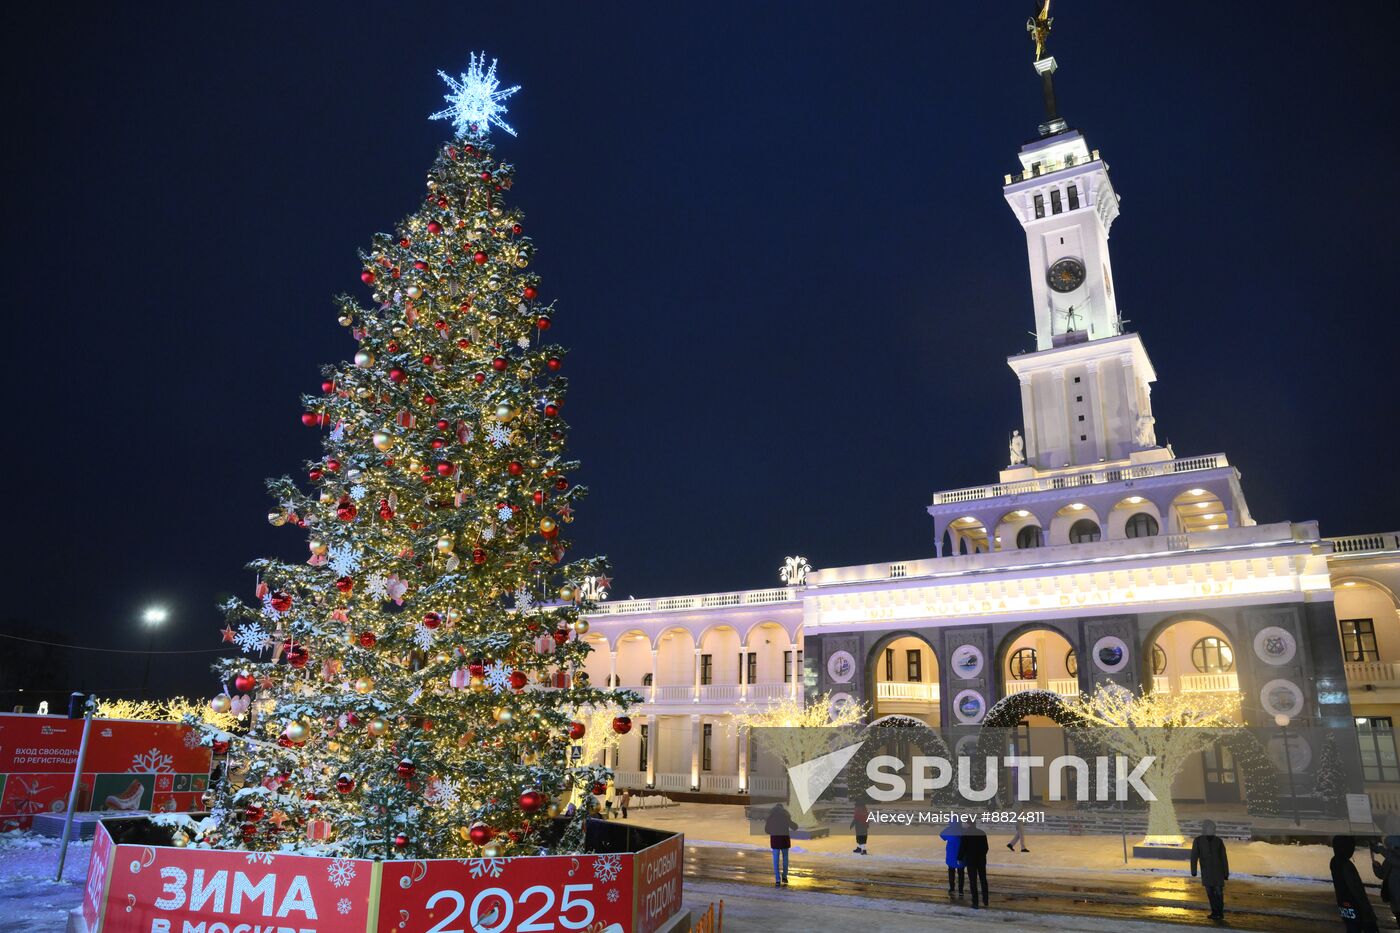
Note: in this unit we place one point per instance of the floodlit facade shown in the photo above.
(1097, 555)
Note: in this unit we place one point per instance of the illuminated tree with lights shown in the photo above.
(413, 681)
(793, 732)
(1172, 729)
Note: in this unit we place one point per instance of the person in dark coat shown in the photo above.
(860, 822)
(1208, 854)
(779, 826)
(972, 851)
(1352, 902)
(952, 838)
(1386, 871)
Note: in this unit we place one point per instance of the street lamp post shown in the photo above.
(1282, 722)
(152, 618)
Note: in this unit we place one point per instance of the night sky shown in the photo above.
(777, 239)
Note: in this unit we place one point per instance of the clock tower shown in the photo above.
(1085, 391)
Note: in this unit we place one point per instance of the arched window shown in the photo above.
(1084, 531)
(1213, 655)
(1159, 660)
(1141, 525)
(646, 680)
(1029, 537)
(1022, 664)
(1072, 663)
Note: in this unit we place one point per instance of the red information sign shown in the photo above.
(159, 889)
(591, 893)
(99, 872)
(657, 871)
(130, 766)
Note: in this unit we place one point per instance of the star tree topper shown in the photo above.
(477, 100)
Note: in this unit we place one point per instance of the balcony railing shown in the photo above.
(720, 783)
(1366, 544)
(769, 691)
(680, 782)
(761, 784)
(719, 693)
(917, 692)
(1210, 683)
(1090, 477)
(1376, 673)
(623, 780)
(674, 693)
(733, 694)
(690, 603)
(1065, 687)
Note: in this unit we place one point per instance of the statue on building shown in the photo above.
(794, 571)
(1146, 431)
(1018, 448)
(1039, 28)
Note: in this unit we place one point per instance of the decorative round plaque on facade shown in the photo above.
(1275, 645)
(969, 706)
(1110, 654)
(967, 661)
(841, 667)
(1296, 753)
(838, 700)
(1282, 698)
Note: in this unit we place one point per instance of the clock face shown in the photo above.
(1065, 275)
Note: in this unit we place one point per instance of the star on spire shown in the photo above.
(477, 100)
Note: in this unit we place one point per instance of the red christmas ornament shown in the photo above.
(515, 468)
(404, 241)
(434, 227)
(333, 464)
(476, 669)
(479, 378)
(397, 375)
(517, 229)
(311, 419)
(244, 683)
(385, 512)
(478, 556)
(400, 840)
(576, 730)
(431, 620)
(315, 474)
(367, 639)
(345, 783)
(599, 789)
(480, 834)
(430, 400)
(499, 364)
(367, 277)
(428, 357)
(518, 680)
(406, 768)
(529, 292)
(280, 601)
(253, 814)
(297, 655)
(463, 342)
(479, 258)
(485, 176)
(249, 830)
(328, 386)
(561, 636)
(554, 363)
(622, 724)
(394, 272)
(543, 322)
(532, 801)
(439, 443)
(445, 468)
(538, 496)
(345, 584)
(219, 747)
(561, 484)
(551, 409)
(345, 509)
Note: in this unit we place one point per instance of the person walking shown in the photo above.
(860, 822)
(952, 837)
(972, 852)
(1208, 854)
(1385, 870)
(1016, 804)
(1352, 902)
(624, 802)
(779, 826)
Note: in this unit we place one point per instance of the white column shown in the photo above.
(696, 696)
(655, 674)
(743, 673)
(1062, 409)
(1093, 391)
(1028, 421)
(612, 667)
(653, 742)
(742, 752)
(695, 751)
(796, 672)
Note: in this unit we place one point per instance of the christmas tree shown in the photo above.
(412, 683)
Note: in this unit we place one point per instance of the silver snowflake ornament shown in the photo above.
(250, 638)
(477, 100)
(357, 492)
(499, 436)
(343, 559)
(523, 600)
(505, 513)
(497, 676)
(423, 637)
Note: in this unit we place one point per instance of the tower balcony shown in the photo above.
(1074, 478)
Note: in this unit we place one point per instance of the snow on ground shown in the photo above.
(780, 911)
(723, 825)
(30, 900)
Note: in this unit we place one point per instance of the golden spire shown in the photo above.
(1039, 28)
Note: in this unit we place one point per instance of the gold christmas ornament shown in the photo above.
(506, 412)
(548, 526)
(477, 684)
(454, 616)
(221, 703)
(444, 545)
(581, 626)
(277, 519)
(317, 546)
(552, 810)
(383, 440)
(566, 593)
(364, 359)
(180, 840)
(378, 726)
(414, 292)
(345, 320)
(491, 851)
(364, 685)
(502, 715)
(298, 732)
